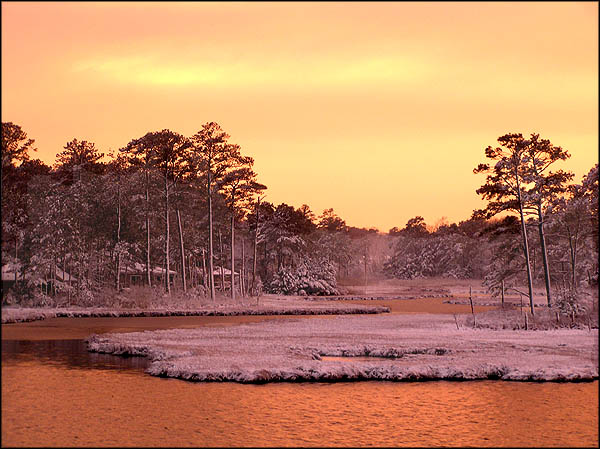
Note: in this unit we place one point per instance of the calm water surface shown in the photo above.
(54, 393)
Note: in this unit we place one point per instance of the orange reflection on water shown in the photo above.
(56, 405)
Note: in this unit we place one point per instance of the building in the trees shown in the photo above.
(135, 274)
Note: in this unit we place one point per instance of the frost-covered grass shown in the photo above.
(24, 314)
(414, 347)
(406, 287)
(267, 305)
(544, 318)
(456, 290)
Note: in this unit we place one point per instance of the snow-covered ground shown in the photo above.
(408, 295)
(268, 305)
(403, 347)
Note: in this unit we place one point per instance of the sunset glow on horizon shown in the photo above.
(377, 110)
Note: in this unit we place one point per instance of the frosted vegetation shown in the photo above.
(184, 219)
(396, 347)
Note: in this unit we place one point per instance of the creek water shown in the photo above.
(55, 393)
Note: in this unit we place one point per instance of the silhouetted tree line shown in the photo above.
(165, 211)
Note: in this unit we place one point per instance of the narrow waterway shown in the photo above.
(55, 393)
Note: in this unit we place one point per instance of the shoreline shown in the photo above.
(82, 328)
(268, 306)
(404, 348)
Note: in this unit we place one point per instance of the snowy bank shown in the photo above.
(390, 347)
(269, 306)
(379, 297)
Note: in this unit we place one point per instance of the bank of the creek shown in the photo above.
(56, 393)
(43, 325)
(80, 328)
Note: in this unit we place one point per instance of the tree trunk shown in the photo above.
(574, 264)
(533, 264)
(64, 269)
(97, 277)
(205, 277)
(167, 277)
(265, 263)
(210, 240)
(243, 270)
(54, 276)
(16, 259)
(191, 266)
(79, 279)
(191, 270)
(525, 243)
(181, 250)
(148, 275)
(118, 275)
(89, 264)
(232, 252)
(253, 287)
(573, 253)
(366, 268)
(279, 257)
(70, 277)
(544, 254)
(222, 263)
(571, 257)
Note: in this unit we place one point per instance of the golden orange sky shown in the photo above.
(378, 110)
